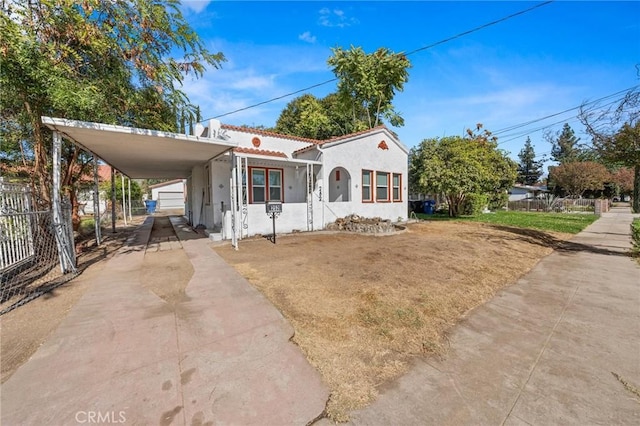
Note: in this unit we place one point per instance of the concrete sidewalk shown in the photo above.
(555, 348)
(123, 355)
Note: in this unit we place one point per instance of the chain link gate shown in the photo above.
(36, 253)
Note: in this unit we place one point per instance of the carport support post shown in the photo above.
(124, 203)
(129, 191)
(113, 200)
(62, 235)
(233, 187)
(96, 202)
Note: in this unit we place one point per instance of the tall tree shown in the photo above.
(108, 61)
(623, 179)
(529, 170)
(565, 146)
(576, 177)
(460, 166)
(367, 83)
(305, 116)
(615, 132)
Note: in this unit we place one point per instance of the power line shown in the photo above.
(481, 27)
(572, 118)
(459, 35)
(516, 126)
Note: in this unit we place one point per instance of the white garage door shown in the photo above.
(170, 200)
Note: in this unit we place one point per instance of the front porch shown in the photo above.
(227, 195)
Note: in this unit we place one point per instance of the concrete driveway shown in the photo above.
(123, 355)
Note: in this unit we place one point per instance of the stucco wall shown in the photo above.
(364, 153)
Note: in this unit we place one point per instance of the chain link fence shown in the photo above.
(37, 251)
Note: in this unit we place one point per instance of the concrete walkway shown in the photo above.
(556, 348)
(123, 355)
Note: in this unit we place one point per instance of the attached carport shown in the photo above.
(137, 153)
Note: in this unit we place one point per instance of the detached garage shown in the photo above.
(169, 195)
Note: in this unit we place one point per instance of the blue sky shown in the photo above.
(543, 62)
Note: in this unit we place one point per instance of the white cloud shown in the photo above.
(335, 18)
(196, 6)
(306, 36)
(254, 74)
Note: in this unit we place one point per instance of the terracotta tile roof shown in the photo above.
(104, 172)
(243, 150)
(267, 133)
(306, 148)
(300, 139)
(350, 135)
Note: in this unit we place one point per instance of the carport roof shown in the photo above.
(140, 153)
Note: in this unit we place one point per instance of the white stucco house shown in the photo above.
(170, 195)
(231, 172)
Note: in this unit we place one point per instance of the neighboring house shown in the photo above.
(86, 188)
(232, 171)
(523, 192)
(169, 195)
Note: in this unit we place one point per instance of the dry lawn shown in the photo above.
(363, 306)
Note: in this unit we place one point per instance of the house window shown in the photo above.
(266, 185)
(367, 195)
(397, 184)
(258, 186)
(275, 185)
(207, 179)
(382, 186)
(337, 175)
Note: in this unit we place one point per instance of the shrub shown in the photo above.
(87, 227)
(498, 200)
(635, 237)
(474, 204)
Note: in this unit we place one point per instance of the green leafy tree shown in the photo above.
(615, 132)
(529, 170)
(136, 190)
(576, 177)
(367, 84)
(107, 61)
(565, 146)
(460, 166)
(305, 116)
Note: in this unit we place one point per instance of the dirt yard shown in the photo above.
(364, 306)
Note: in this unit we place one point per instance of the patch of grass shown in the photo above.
(87, 226)
(635, 238)
(556, 222)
